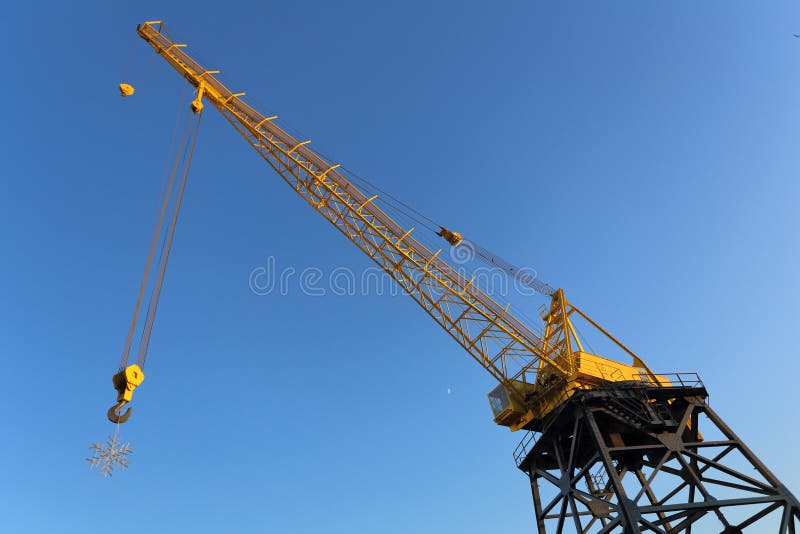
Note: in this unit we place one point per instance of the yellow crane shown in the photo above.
(591, 421)
(535, 372)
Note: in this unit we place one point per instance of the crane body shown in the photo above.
(592, 424)
(526, 365)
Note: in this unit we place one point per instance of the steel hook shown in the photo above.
(114, 417)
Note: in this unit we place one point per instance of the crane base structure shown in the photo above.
(633, 458)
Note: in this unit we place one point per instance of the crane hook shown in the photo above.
(114, 417)
(125, 381)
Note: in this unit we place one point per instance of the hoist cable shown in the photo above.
(526, 278)
(584, 339)
(395, 210)
(390, 203)
(137, 73)
(169, 161)
(393, 203)
(399, 210)
(151, 312)
(180, 158)
(156, 233)
(384, 196)
(406, 208)
(146, 68)
(128, 62)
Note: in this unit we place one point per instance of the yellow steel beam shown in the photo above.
(506, 347)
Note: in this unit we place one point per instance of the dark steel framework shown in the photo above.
(634, 458)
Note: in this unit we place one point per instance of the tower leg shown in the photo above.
(631, 458)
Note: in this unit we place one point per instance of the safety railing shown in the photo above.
(554, 398)
(525, 446)
(691, 380)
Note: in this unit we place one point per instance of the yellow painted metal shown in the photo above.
(265, 119)
(405, 235)
(363, 204)
(586, 370)
(126, 89)
(637, 362)
(126, 381)
(454, 238)
(509, 405)
(534, 371)
(298, 145)
(541, 398)
(333, 168)
(506, 347)
(236, 95)
(197, 103)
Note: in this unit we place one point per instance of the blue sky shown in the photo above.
(641, 155)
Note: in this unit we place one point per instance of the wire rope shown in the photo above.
(156, 233)
(148, 328)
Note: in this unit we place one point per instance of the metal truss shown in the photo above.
(632, 458)
(504, 345)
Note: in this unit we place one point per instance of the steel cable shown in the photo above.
(156, 233)
(167, 245)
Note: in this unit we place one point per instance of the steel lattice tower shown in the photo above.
(631, 458)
